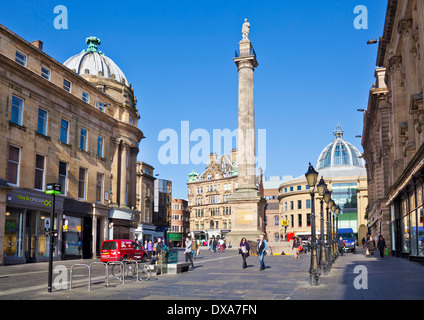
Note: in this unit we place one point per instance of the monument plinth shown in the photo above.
(247, 204)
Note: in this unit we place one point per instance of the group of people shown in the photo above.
(219, 244)
(152, 249)
(261, 247)
(371, 245)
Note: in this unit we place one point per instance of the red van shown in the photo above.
(121, 249)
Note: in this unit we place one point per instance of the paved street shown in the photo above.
(219, 276)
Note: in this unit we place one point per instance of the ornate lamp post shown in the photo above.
(332, 207)
(337, 230)
(311, 178)
(324, 261)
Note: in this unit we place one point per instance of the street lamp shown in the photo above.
(332, 252)
(337, 228)
(323, 257)
(311, 178)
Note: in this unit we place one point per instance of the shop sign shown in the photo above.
(43, 202)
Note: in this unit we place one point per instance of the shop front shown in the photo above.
(406, 216)
(77, 230)
(123, 223)
(27, 226)
(145, 232)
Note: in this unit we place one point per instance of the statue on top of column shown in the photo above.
(245, 29)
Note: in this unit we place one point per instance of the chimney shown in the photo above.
(212, 157)
(38, 44)
(233, 154)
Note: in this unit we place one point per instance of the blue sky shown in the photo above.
(315, 68)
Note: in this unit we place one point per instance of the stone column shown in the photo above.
(247, 204)
(123, 181)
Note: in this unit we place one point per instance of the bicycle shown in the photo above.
(132, 268)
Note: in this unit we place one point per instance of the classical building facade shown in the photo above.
(145, 201)
(343, 170)
(393, 133)
(74, 124)
(180, 221)
(208, 193)
(273, 220)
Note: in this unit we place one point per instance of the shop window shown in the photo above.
(43, 241)
(72, 236)
(14, 233)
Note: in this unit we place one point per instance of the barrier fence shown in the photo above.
(125, 268)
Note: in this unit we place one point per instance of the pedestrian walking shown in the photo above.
(296, 248)
(194, 248)
(221, 245)
(150, 249)
(262, 245)
(381, 245)
(244, 249)
(371, 246)
(341, 246)
(188, 252)
(214, 244)
(363, 242)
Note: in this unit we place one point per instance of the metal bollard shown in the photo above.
(106, 271)
(89, 274)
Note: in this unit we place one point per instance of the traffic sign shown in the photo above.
(284, 222)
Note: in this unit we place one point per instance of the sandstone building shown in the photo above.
(74, 124)
(393, 133)
(208, 193)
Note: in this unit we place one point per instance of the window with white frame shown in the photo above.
(21, 58)
(83, 139)
(45, 72)
(64, 131)
(42, 121)
(40, 163)
(100, 147)
(67, 85)
(86, 97)
(17, 110)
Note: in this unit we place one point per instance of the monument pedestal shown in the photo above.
(247, 216)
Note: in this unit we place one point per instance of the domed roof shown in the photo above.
(340, 153)
(91, 61)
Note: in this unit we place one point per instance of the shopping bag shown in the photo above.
(367, 252)
(386, 252)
